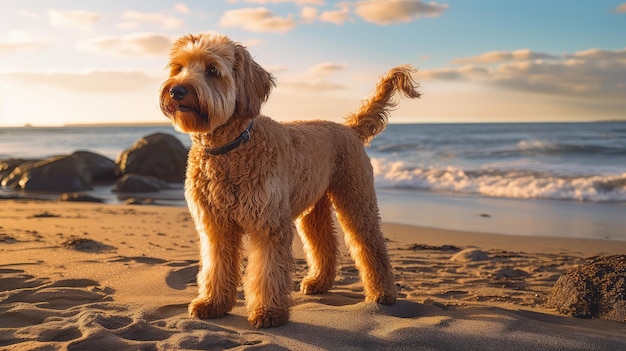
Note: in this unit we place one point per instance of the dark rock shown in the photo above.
(102, 169)
(159, 155)
(12, 171)
(7, 166)
(57, 174)
(596, 288)
(76, 197)
(135, 183)
(136, 201)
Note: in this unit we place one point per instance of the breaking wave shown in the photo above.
(500, 182)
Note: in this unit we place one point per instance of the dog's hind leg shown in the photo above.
(320, 245)
(267, 281)
(219, 275)
(357, 212)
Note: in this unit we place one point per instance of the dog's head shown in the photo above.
(211, 80)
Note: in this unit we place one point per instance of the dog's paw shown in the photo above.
(386, 299)
(312, 286)
(204, 309)
(268, 317)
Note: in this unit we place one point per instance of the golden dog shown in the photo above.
(250, 175)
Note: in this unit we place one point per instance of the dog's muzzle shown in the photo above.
(178, 92)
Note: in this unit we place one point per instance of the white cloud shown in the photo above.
(397, 11)
(326, 68)
(501, 56)
(84, 82)
(316, 79)
(75, 19)
(181, 7)
(306, 86)
(136, 44)
(257, 19)
(591, 73)
(308, 14)
(337, 17)
(21, 41)
(597, 54)
(297, 2)
(134, 19)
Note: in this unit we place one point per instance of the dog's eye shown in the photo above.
(212, 71)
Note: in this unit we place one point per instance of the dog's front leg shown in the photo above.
(268, 283)
(220, 272)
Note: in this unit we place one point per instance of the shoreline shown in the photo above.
(505, 216)
(101, 276)
(457, 212)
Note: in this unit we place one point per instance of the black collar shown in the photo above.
(244, 137)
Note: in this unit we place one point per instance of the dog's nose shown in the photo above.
(178, 92)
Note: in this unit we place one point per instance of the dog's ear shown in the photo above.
(253, 83)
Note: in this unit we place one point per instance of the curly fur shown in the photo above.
(286, 173)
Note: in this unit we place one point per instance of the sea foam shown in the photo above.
(501, 182)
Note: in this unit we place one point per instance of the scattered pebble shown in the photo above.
(416, 247)
(76, 197)
(45, 214)
(87, 245)
(7, 239)
(135, 201)
(469, 255)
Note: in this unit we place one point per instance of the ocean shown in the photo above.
(552, 173)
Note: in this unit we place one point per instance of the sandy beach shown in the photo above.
(76, 276)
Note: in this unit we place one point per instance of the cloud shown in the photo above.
(397, 11)
(297, 2)
(136, 44)
(306, 86)
(257, 19)
(461, 73)
(12, 47)
(621, 8)
(308, 14)
(501, 56)
(134, 19)
(75, 19)
(325, 69)
(181, 8)
(591, 73)
(17, 41)
(84, 82)
(316, 79)
(337, 17)
(597, 54)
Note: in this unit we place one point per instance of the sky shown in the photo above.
(68, 62)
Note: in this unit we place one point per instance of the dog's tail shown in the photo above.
(371, 119)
